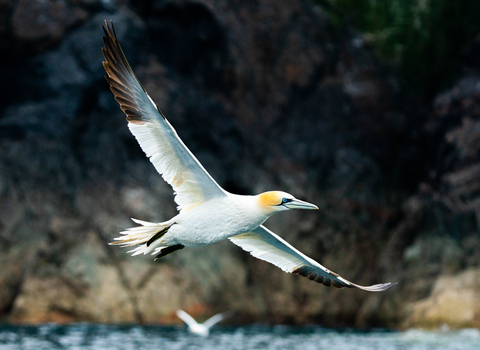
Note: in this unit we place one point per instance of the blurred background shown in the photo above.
(371, 110)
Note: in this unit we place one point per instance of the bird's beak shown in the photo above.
(298, 204)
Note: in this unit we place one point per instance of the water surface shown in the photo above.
(100, 337)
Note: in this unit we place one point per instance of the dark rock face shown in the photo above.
(267, 97)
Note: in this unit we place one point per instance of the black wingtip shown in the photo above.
(377, 287)
(109, 30)
(113, 29)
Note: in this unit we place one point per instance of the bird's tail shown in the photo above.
(146, 236)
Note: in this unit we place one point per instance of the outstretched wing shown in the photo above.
(158, 139)
(217, 318)
(266, 245)
(186, 318)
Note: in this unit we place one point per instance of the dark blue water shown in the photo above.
(99, 337)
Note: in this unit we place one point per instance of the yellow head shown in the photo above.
(275, 201)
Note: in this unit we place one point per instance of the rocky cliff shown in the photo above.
(267, 96)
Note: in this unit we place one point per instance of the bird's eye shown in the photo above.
(284, 200)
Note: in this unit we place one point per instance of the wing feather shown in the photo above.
(178, 166)
(217, 318)
(189, 320)
(266, 245)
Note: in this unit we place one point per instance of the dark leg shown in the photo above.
(168, 250)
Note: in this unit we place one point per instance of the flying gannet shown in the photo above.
(202, 329)
(207, 213)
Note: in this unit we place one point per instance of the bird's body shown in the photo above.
(212, 221)
(207, 213)
(216, 220)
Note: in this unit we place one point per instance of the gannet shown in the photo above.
(207, 213)
(202, 329)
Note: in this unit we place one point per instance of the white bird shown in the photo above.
(202, 329)
(207, 213)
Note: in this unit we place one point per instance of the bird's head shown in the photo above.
(275, 201)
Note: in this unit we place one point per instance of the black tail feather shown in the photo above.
(158, 235)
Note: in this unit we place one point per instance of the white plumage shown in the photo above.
(202, 329)
(207, 213)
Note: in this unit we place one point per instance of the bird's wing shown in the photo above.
(186, 318)
(158, 139)
(266, 245)
(217, 318)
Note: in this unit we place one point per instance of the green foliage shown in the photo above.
(424, 39)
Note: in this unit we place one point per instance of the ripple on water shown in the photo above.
(99, 337)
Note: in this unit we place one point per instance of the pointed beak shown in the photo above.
(298, 204)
